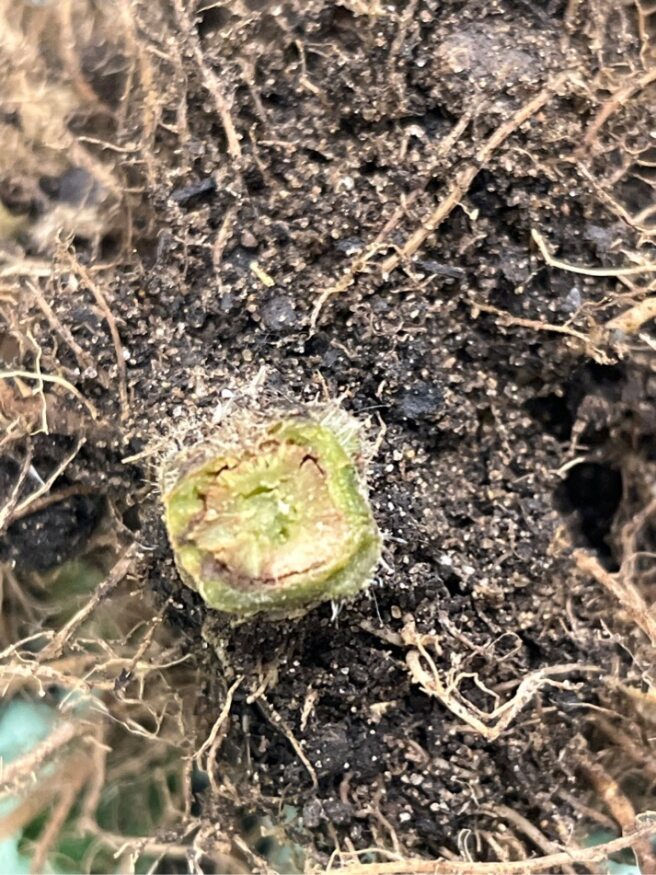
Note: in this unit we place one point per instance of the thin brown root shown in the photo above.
(276, 721)
(100, 300)
(60, 812)
(356, 267)
(632, 270)
(610, 792)
(640, 754)
(43, 793)
(210, 79)
(594, 856)
(83, 357)
(381, 240)
(615, 101)
(532, 833)
(622, 589)
(25, 767)
(8, 511)
(632, 320)
(222, 237)
(39, 498)
(51, 378)
(213, 742)
(490, 725)
(533, 324)
(32, 505)
(586, 811)
(464, 179)
(55, 647)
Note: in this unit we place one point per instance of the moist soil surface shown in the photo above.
(498, 443)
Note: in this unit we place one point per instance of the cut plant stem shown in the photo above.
(276, 523)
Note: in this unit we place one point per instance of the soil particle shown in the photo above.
(421, 400)
(278, 314)
(248, 240)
